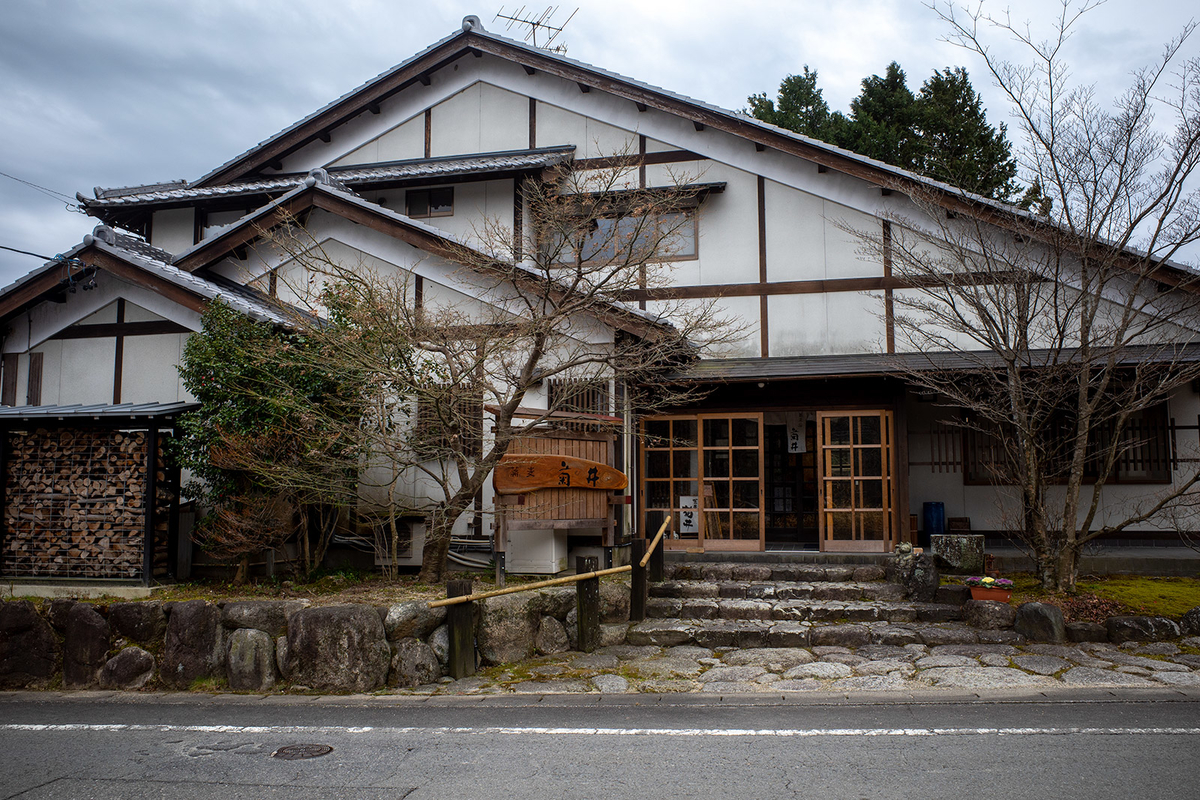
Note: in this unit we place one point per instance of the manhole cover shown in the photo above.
(295, 752)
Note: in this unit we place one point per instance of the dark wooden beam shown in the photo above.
(276, 165)
(529, 70)
(641, 107)
(424, 79)
(583, 87)
(119, 353)
(822, 169)
(666, 157)
(532, 123)
(763, 330)
(697, 124)
(106, 329)
(325, 137)
(759, 147)
(428, 132)
(889, 300)
(8, 381)
(374, 108)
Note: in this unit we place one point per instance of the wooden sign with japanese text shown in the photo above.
(521, 474)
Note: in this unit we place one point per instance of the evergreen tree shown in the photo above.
(798, 107)
(883, 120)
(959, 147)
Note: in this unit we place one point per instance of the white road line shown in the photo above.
(540, 731)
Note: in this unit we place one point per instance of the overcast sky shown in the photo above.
(128, 92)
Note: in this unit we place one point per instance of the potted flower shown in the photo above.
(988, 588)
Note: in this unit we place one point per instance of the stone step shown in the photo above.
(799, 610)
(809, 573)
(778, 590)
(761, 633)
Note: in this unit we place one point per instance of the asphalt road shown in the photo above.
(1078, 744)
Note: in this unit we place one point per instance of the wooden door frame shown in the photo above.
(702, 541)
(891, 487)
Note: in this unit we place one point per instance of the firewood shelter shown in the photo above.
(89, 492)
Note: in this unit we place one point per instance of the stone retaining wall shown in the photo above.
(256, 645)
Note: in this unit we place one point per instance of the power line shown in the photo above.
(71, 203)
(27, 253)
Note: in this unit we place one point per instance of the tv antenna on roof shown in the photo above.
(538, 24)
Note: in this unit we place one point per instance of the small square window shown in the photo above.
(425, 203)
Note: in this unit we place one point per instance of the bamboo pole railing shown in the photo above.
(467, 598)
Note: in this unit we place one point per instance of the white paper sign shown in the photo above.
(689, 521)
(795, 433)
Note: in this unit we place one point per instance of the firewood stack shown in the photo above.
(74, 504)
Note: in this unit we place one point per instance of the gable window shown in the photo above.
(426, 203)
(667, 236)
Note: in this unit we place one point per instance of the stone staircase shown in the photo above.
(739, 604)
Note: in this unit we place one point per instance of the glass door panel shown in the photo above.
(856, 483)
(706, 471)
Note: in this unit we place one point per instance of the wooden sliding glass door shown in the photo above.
(706, 471)
(857, 483)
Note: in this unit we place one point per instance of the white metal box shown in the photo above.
(536, 552)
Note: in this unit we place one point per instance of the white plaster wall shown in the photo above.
(86, 375)
(149, 371)
(482, 211)
(480, 119)
(795, 234)
(405, 141)
(173, 229)
(591, 137)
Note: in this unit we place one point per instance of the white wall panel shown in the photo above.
(148, 373)
(174, 229)
(405, 141)
(87, 371)
(795, 234)
(842, 256)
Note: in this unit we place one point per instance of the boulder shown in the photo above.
(85, 646)
(138, 622)
(281, 653)
(614, 602)
(614, 635)
(1190, 622)
(252, 665)
(557, 601)
(132, 668)
(1141, 629)
(551, 637)
(507, 625)
(439, 640)
(28, 646)
(1041, 622)
(412, 618)
(413, 664)
(57, 610)
(337, 648)
(268, 616)
(952, 594)
(195, 644)
(958, 553)
(917, 573)
(989, 614)
(1086, 632)
(842, 635)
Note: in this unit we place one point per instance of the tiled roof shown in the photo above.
(737, 370)
(447, 167)
(158, 262)
(96, 411)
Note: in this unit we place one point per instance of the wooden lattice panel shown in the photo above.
(563, 503)
(74, 504)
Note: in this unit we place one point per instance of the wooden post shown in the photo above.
(587, 604)
(500, 540)
(461, 621)
(150, 504)
(656, 564)
(638, 589)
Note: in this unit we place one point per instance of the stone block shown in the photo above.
(138, 622)
(85, 646)
(251, 665)
(1086, 632)
(989, 614)
(413, 619)
(958, 553)
(551, 637)
(268, 616)
(195, 644)
(337, 648)
(132, 668)
(414, 663)
(953, 594)
(1141, 629)
(1041, 622)
(841, 635)
(507, 625)
(28, 647)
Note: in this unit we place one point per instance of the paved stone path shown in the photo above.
(689, 668)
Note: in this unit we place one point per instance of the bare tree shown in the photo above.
(454, 377)
(1058, 333)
